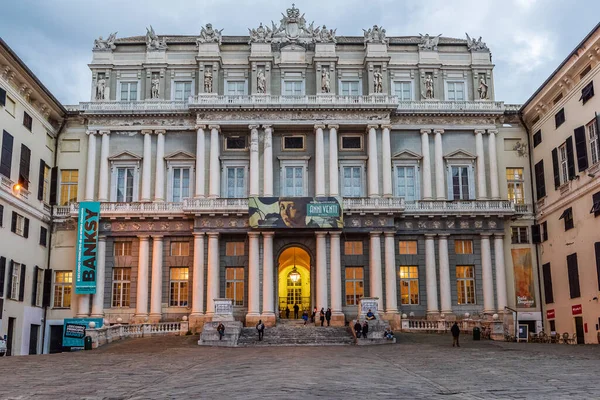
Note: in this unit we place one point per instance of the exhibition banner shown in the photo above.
(74, 331)
(87, 247)
(524, 284)
(295, 212)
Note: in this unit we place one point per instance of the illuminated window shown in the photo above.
(63, 285)
(180, 248)
(179, 287)
(121, 287)
(353, 248)
(354, 285)
(463, 247)
(515, 182)
(234, 285)
(409, 284)
(465, 284)
(408, 246)
(122, 249)
(234, 249)
(68, 186)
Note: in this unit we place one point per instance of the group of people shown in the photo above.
(363, 330)
(324, 315)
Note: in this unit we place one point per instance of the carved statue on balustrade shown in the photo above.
(325, 81)
(100, 88)
(209, 35)
(483, 89)
(429, 42)
(155, 89)
(208, 80)
(261, 82)
(377, 81)
(108, 44)
(429, 94)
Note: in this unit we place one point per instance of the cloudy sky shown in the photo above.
(528, 38)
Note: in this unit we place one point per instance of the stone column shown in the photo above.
(146, 165)
(386, 160)
(212, 276)
(98, 298)
(254, 168)
(486, 274)
(197, 315)
(268, 161)
(253, 279)
(335, 273)
(214, 189)
(375, 268)
(481, 187)
(372, 162)
(500, 271)
(141, 309)
(200, 154)
(334, 182)
(90, 175)
(159, 178)
(104, 177)
(321, 275)
(445, 285)
(268, 313)
(495, 189)
(426, 165)
(431, 277)
(156, 285)
(391, 283)
(83, 305)
(440, 188)
(319, 161)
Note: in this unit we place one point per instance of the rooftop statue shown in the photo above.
(429, 42)
(261, 34)
(375, 35)
(153, 42)
(476, 45)
(324, 35)
(209, 35)
(294, 29)
(108, 44)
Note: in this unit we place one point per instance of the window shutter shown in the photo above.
(3, 273)
(13, 222)
(548, 292)
(597, 248)
(535, 234)
(9, 286)
(555, 168)
(573, 273)
(471, 176)
(53, 185)
(545, 233)
(2, 97)
(34, 289)
(581, 147)
(22, 283)
(41, 180)
(26, 228)
(24, 166)
(47, 287)
(540, 180)
(43, 236)
(6, 156)
(449, 183)
(570, 157)
(1, 215)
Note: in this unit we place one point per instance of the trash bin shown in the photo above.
(87, 343)
(476, 333)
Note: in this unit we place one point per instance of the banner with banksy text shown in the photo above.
(295, 212)
(87, 247)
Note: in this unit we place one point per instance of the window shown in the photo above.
(465, 284)
(573, 273)
(519, 235)
(122, 249)
(63, 284)
(6, 157)
(27, 121)
(10, 106)
(406, 182)
(456, 91)
(235, 143)
(354, 285)
(1, 216)
(293, 182)
(129, 91)
(2, 97)
(68, 186)
(24, 165)
(353, 247)
(181, 184)
(45, 182)
(235, 184)
(460, 185)
(39, 287)
(43, 236)
(515, 181)
(49, 142)
(463, 247)
(293, 143)
(121, 286)
(548, 292)
(234, 249)
(585, 71)
(409, 285)
(236, 88)
(292, 88)
(595, 205)
(592, 129)
(15, 281)
(567, 215)
(352, 181)
(125, 184)
(351, 142)
(349, 88)
(559, 118)
(403, 90)
(537, 138)
(587, 92)
(19, 225)
(183, 90)
(564, 163)
(407, 247)
(544, 231)
(234, 285)
(294, 290)
(179, 287)
(540, 180)
(180, 248)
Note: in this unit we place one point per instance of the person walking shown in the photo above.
(455, 334)
(287, 312)
(322, 315)
(314, 314)
(328, 316)
(260, 327)
(305, 316)
(365, 329)
(296, 309)
(357, 329)
(221, 330)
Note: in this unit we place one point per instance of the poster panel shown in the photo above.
(524, 284)
(74, 331)
(87, 247)
(295, 212)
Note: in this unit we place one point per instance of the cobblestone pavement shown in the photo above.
(418, 367)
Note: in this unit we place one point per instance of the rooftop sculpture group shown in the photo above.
(108, 44)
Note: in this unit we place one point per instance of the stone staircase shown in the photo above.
(295, 333)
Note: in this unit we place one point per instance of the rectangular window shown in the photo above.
(68, 186)
(234, 285)
(537, 138)
(11, 106)
(45, 176)
(352, 181)
(409, 285)
(354, 285)
(129, 91)
(573, 273)
(595, 205)
(519, 235)
(463, 247)
(407, 247)
(349, 88)
(353, 247)
(6, 157)
(39, 287)
(456, 91)
(544, 231)
(15, 281)
(121, 286)
(293, 143)
(43, 236)
(540, 180)
(235, 143)
(460, 183)
(179, 287)
(516, 183)
(353, 142)
(63, 284)
(406, 182)
(20, 225)
(125, 184)
(2, 97)
(293, 184)
(564, 163)
(24, 165)
(236, 88)
(180, 248)
(183, 90)
(236, 182)
(559, 118)
(122, 249)
(567, 216)
(592, 129)
(27, 121)
(465, 284)
(548, 292)
(181, 184)
(403, 89)
(587, 92)
(292, 88)
(234, 249)
(1, 218)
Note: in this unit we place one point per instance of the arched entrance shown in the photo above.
(294, 281)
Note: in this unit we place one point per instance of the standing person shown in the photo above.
(322, 315)
(314, 314)
(328, 316)
(287, 312)
(365, 329)
(357, 329)
(455, 334)
(305, 316)
(260, 327)
(221, 330)
(296, 309)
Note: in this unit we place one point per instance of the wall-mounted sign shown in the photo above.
(550, 314)
(576, 309)
(87, 247)
(295, 212)
(74, 330)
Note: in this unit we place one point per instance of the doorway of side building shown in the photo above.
(579, 331)
(293, 282)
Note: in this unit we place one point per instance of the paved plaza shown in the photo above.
(418, 367)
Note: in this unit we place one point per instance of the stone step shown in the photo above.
(297, 335)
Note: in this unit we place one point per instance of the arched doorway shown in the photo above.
(294, 281)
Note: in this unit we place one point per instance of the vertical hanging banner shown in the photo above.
(87, 247)
(524, 284)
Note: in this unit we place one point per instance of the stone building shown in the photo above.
(562, 120)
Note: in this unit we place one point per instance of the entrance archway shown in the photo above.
(294, 281)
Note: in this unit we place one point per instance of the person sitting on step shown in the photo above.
(370, 315)
(221, 330)
(357, 329)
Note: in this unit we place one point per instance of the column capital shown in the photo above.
(216, 127)
(485, 235)
(146, 131)
(320, 234)
(270, 127)
(386, 126)
(479, 131)
(104, 132)
(430, 236)
(268, 234)
(372, 126)
(198, 234)
(389, 233)
(425, 131)
(375, 233)
(160, 131)
(440, 131)
(335, 233)
(157, 237)
(319, 126)
(499, 235)
(492, 131)
(253, 234)
(212, 234)
(333, 126)
(90, 132)
(443, 235)
(253, 127)
(143, 238)
(200, 126)
(102, 238)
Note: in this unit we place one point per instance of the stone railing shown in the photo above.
(428, 106)
(430, 207)
(376, 204)
(524, 208)
(108, 334)
(211, 206)
(268, 100)
(142, 105)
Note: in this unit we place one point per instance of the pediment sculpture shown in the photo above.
(209, 35)
(294, 29)
(476, 44)
(375, 34)
(108, 44)
(429, 42)
(261, 34)
(153, 42)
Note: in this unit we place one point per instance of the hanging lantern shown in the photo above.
(295, 275)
